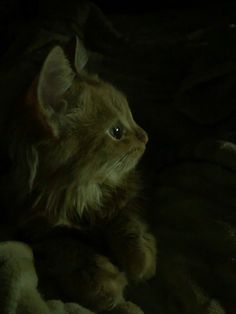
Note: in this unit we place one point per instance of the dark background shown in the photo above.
(148, 6)
(24, 7)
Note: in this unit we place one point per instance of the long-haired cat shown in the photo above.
(74, 146)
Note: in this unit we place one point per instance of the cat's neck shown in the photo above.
(68, 204)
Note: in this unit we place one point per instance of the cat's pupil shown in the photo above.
(117, 132)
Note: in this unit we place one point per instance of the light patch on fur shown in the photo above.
(70, 201)
(88, 196)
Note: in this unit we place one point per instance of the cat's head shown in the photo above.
(91, 134)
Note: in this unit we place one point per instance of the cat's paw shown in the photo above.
(139, 257)
(99, 286)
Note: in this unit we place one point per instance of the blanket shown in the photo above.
(19, 286)
(19, 281)
(178, 71)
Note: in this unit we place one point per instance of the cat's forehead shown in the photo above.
(103, 100)
(113, 100)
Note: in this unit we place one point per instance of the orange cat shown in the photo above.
(74, 147)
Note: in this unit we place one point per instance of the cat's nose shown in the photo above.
(142, 136)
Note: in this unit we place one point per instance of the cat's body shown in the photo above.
(74, 146)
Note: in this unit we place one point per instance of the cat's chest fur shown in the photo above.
(91, 195)
(71, 201)
(93, 200)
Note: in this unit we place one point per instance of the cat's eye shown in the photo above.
(117, 131)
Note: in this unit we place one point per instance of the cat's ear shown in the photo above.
(77, 54)
(81, 55)
(55, 79)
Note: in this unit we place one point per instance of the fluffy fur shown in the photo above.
(74, 147)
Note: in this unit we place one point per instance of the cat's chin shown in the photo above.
(114, 179)
(117, 178)
(135, 155)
